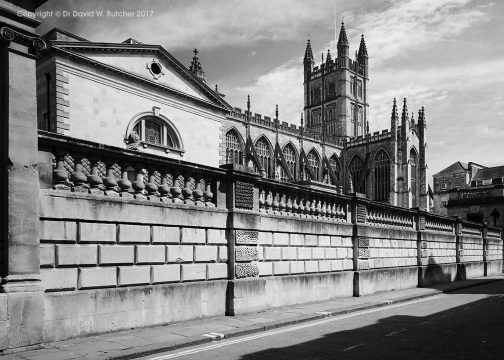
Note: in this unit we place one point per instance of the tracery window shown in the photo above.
(265, 157)
(356, 169)
(335, 168)
(381, 176)
(314, 163)
(234, 149)
(290, 159)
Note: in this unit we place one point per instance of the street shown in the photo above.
(466, 324)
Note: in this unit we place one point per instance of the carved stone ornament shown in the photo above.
(133, 141)
(34, 43)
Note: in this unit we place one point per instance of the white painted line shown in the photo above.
(352, 347)
(387, 301)
(423, 323)
(325, 313)
(467, 308)
(287, 329)
(396, 332)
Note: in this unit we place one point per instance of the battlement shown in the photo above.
(375, 137)
(285, 127)
(339, 63)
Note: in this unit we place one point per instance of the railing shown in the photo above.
(301, 201)
(83, 166)
(471, 228)
(439, 224)
(380, 215)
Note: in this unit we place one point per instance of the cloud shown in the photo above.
(410, 25)
(205, 24)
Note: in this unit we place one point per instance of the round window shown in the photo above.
(155, 68)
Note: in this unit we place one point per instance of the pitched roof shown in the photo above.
(490, 173)
(457, 166)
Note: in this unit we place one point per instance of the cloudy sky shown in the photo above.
(445, 55)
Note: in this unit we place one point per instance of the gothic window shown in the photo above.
(352, 112)
(359, 89)
(290, 158)
(335, 167)
(234, 149)
(356, 169)
(413, 160)
(265, 157)
(316, 118)
(381, 176)
(315, 92)
(314, 163)
(153, 131)
(331, 90)
(331, 113)
(352, 85)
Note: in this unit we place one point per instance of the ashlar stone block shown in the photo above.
(193, 236)
(133, 275)
(90, 278)
(165, 235)
(75, 255)
(97, 232)
(165, 273)
(134, 233)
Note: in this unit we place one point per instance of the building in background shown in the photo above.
(456, 176)
(483, 200)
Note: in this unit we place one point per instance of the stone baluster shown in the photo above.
(60, 175)
(323, 210)
(151, 187)
(262, 200)
(208, 194)
(124, 183)
(318, 209)
(164, 188)
(313, 208)
(176, 190)
(269, 201)
(295, 206)
(288, 204)
(276, 203)
(139, 184)
(301, 206)
(198, 192)
(110, 181)
(78, 177)
(94, 180)
(187, 190)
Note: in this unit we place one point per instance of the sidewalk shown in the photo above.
(132, 343)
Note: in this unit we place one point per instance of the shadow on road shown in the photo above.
(473, 330)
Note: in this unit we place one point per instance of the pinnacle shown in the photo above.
(343, 40)
(362, 47)
(308, 51)
(196, 67)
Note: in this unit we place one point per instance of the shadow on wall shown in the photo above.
(439, 331)
(435, 273)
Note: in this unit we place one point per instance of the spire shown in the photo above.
(393, 120)
(248, 108)
(308, 55)
(276, 112)
(362, 48)
(328, 58)
(343, 45)
(196, 67)
(404, 116)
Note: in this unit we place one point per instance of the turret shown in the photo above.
(394, 119)
(343, 45)
(328, 58)
(196, 67)
(362, 56)
(308, 61)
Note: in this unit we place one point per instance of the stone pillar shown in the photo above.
(20, 290)
(245, 290)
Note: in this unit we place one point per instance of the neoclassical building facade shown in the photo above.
(138, 96)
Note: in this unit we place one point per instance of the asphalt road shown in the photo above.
(466, 324)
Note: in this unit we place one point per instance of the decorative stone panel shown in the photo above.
(363, 242)
(424, 244)
(361, 213)
(247, 237)
(246, 270)
(363, 265)
(421, 223)
(364, 253)
(246, 253)
(244, 195)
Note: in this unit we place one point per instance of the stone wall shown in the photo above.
(164, 241)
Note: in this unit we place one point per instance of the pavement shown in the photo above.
(141, 342)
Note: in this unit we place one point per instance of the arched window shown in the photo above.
(234, 149)
(265, 157)
(381, 176)
(289, 154)
(413, 161)
(314, 163)
(153, 131)
(356, 169)
(335, 168)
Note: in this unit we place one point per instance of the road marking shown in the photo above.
(423, 323)
(288, 329)
(214, 335)
(325, 313)
(352, 347)
(396, 332)
(467, 308)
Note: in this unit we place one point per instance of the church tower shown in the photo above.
(335, 93)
